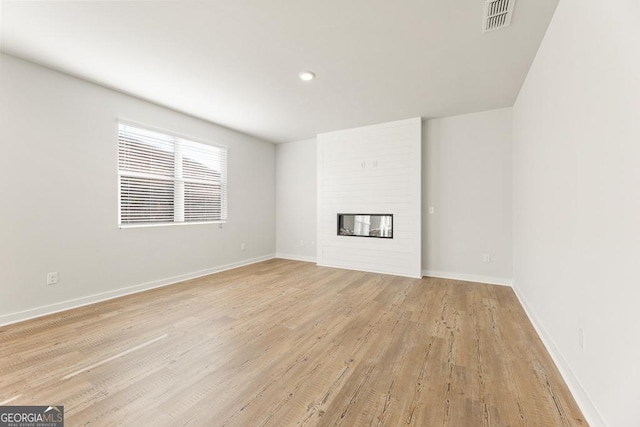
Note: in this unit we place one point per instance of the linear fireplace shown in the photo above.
(366, 225)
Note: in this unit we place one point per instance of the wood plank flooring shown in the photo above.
(286, 343)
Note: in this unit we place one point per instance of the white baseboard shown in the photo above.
(581, 397)
(467, 277)
(296, 257)
(368, 270)
(20, 316)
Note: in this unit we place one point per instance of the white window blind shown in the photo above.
(166, 179)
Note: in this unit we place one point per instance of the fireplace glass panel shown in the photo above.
(366, 225)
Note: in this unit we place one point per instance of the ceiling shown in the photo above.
(236, 62)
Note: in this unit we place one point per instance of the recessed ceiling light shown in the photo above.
(306, 75)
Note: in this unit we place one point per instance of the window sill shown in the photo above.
(169, 224)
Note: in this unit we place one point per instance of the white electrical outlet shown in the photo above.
(431, 209)
(581, 341)
(486, 258)
(243, 246)
(52, 278)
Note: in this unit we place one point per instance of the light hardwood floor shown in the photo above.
(289, 343)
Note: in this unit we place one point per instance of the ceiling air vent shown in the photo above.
(497, 14)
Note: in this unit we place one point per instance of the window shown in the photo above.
(167, 179)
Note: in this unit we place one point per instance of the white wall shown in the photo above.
(296, 197)
(577, 202)
(466, 177)
(467, 180)
(59, 196)
(372, 169)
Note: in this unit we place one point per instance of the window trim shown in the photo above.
(173, 134)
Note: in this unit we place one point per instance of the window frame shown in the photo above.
(174, 179)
